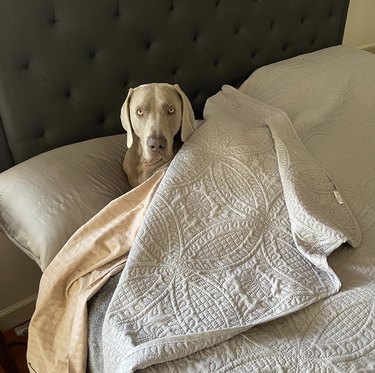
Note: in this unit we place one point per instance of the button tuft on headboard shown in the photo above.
(101, 119)
(175, 72)
(92, 53)
(195, 36)
(67, 93)
(148, 44)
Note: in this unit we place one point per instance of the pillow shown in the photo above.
(45, 199)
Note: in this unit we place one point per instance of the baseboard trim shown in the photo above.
(17, 313)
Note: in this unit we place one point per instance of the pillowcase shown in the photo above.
(45, 199)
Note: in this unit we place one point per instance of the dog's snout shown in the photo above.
(157, 144)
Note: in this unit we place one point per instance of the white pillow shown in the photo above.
(45, 199)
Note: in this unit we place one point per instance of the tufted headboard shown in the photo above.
(66, 65)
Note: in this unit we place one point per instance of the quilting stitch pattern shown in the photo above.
(235, 236)
(329, 96)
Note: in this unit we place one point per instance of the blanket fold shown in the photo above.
(58, 330)
(237, 234)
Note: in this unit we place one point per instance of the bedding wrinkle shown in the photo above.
(97, 251)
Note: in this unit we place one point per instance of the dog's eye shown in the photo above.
(171, 110)
(139, 112)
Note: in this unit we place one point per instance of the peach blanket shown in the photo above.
(58, 329)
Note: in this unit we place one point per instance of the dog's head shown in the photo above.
(155, 113)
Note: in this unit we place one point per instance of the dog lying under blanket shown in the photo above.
(152, 115)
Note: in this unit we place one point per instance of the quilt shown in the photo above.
(237, 234)
(329, 97)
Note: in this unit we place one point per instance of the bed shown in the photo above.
(253, 251)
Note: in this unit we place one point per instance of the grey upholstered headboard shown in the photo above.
(66, 65)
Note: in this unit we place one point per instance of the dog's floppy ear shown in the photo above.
(125, 119)
(187, 115)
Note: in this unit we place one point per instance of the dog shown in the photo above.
(152, 115)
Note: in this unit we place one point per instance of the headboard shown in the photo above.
(66, 65)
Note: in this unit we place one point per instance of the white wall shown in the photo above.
(19, 281)
(360, 24)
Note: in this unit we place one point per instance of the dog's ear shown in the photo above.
(187, 115)
(125, 119)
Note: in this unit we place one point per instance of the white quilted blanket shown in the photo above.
(329, 96)
(237, 234)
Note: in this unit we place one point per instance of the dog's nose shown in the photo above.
(156, 144)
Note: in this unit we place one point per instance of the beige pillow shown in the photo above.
(45, 199)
